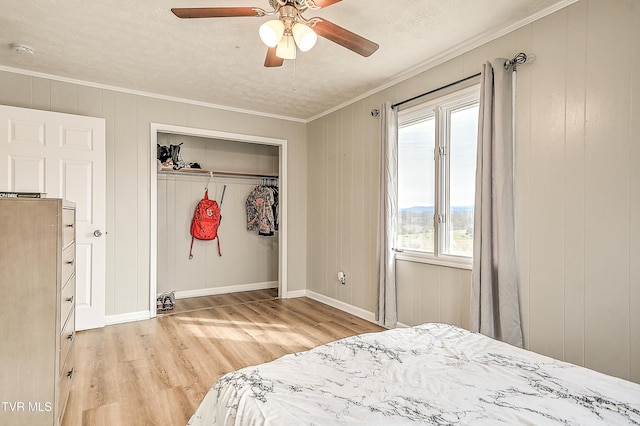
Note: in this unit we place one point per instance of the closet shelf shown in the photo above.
(216, 173)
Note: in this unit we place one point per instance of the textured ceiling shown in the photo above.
(141, 46)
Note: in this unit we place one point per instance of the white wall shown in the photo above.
(577, 183)
(128, 118)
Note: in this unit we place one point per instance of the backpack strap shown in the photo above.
(191, 248)
(206, 197)
(224, 188)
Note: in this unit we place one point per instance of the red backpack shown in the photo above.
(205, 222)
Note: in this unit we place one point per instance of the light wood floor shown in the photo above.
(156, 372)
(206, 302)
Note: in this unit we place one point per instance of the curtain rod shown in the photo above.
(446, 86)
(519, 59)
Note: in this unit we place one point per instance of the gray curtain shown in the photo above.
(495, 307)
(387, 314)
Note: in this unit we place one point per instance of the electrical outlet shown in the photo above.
(342, 277)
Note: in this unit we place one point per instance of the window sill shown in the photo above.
(448, 261)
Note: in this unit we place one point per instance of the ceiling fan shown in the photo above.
(290, 29)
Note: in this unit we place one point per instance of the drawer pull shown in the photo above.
(70, 337)
(70, 299)
(70, 374)
(69, 262)
(71, 225)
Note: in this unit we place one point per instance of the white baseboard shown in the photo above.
(225, 290)
(128, 317)
(353, 310)
(145, 315)
(296, 293)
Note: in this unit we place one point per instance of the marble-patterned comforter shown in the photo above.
(432, 374)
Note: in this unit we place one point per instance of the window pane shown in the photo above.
(416, 176)
(462, 170)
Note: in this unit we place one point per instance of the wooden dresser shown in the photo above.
(37, 315)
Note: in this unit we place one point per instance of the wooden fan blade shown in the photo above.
(272, 60)
(344, 37)
(216, 12)
(324, 3)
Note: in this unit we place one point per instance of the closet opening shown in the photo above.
(233, 168)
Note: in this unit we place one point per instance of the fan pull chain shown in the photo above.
(294, 74)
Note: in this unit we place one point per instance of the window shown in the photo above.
(436, 178)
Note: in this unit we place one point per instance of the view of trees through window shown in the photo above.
(436, 178)
(416, 189)
(462, 169)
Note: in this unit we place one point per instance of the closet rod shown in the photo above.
(518, 59)
(211, 173)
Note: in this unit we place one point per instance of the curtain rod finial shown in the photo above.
(519, 59)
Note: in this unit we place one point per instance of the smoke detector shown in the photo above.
(22, 49)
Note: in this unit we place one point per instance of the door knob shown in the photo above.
(97, 233)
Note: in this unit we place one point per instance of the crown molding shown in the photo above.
(145, 94)
(452, 53)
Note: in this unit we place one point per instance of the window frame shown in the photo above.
(439, 106)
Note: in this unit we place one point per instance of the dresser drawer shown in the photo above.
(68, 226)
(64, 385)
(67, 336)
(67, 300)
(68, 263)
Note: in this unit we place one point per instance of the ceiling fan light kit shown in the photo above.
(304, 37)
(286, 48)
(290, 31)
(271, 32)
(287, 32)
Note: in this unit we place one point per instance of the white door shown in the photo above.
(63, 155)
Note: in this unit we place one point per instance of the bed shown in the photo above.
(433, 374)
